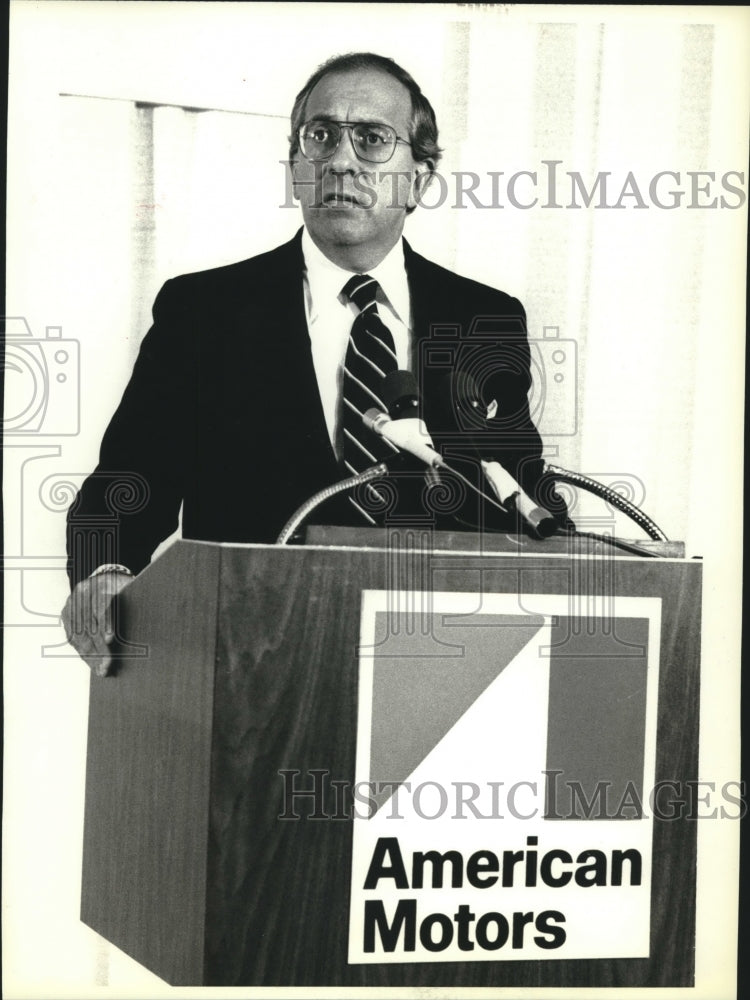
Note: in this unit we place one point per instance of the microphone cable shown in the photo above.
(631, 547)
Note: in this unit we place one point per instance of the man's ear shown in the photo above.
(306, 177)
(293, 168)
(423, 174)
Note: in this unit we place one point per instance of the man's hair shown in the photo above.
(423, 130)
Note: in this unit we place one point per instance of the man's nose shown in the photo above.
(345, 157)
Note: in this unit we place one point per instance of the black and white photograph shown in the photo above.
(373, 455)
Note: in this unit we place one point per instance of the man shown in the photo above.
(248, 391)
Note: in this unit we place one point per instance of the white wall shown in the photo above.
(106, 201)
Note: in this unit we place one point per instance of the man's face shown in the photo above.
(354, 210)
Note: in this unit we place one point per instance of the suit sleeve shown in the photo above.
(131, 501)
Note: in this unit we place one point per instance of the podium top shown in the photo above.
(475, 541)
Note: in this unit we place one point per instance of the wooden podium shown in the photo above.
(241, 663)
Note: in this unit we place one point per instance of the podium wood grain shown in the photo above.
(251, 670)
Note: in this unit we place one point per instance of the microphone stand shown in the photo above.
(374, 472)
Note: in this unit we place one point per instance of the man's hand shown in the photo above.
(88, 618)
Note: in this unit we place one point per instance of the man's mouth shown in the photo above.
(337, 199)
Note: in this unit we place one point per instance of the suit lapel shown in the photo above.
(431, 304)
(273, 328)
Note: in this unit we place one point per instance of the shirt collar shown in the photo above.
(326, 279)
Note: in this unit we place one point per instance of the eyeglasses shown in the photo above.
(372, 142)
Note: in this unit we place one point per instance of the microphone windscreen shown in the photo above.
(400, 393)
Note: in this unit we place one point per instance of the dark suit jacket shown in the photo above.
(222, 412)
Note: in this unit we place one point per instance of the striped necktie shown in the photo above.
(370, 356)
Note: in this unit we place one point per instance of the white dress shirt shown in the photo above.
(330, 317)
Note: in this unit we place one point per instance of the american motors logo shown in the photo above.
(504, 746)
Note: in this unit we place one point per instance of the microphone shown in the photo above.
(402, 426)
(408, 434)
(400, 393)
(510, 494)
(463, 395)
